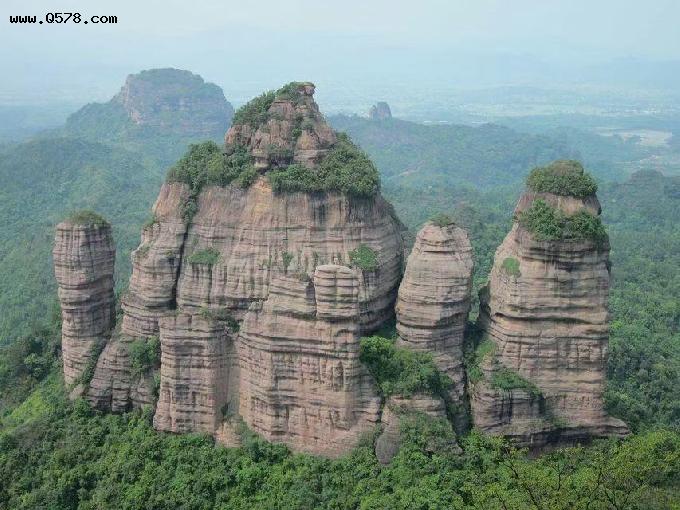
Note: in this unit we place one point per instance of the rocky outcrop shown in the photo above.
(177, 100)
(380, 111)
(301, 379)
(256, 298)
(545, 319)
(434, 301)
(294, 132)
(155, 265)
(114, 385)
(84, 255)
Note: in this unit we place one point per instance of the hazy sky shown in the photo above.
(244, 45)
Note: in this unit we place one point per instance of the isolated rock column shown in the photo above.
(84, 256)
(546, 322)
(434, 299)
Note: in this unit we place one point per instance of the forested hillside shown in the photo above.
(110, 157)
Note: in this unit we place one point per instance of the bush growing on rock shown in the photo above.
(401, 371)
(207, 257)
(145, 354)
(550, 224)
(364, 257)
(346, 168)
(563, 177)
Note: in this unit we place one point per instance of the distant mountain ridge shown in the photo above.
(110, 157)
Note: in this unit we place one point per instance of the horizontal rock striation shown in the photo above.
(114, 387)
(258, 233)
(155, 265)
(434, 301)
(197, 356)
(84, 256)
(301, 379)
(545, 310)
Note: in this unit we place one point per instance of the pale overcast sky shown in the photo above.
(240, 44)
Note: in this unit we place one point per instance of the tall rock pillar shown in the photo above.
(84, 256)
(434, 301)
(540, 368)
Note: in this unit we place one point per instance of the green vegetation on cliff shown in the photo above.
(547, 223)
(205, 164)
(87, 218)
(563, 177)
(256, 111)
(364, 257)
(346, 169)
(401, 371)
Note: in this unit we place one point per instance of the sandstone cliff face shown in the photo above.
(258, 233)
(434, 301)
(545, 310)
(301, 379)
(84, 256)
(258, 311)
(295, 132)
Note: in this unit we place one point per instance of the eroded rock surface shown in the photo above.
(434, 301)
(545, 310)
(301, 379)
(84, 256)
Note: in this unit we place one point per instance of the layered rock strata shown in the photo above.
(197, 356)
(545, 312)
(84, 256)
(295, 132)
(434, 301)
(114, 385)
(301, 379)
(275, 266)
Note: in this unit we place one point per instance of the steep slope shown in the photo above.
(539, 372)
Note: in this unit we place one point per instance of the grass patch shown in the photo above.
(474, 371)
(401, 371)
(563, 177)
(547, 223)
(364, 258)
(88, 218)
(207, 257)
(88, 372)
(150, 222)
(511, 266)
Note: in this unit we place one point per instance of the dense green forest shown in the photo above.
(57, 454)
